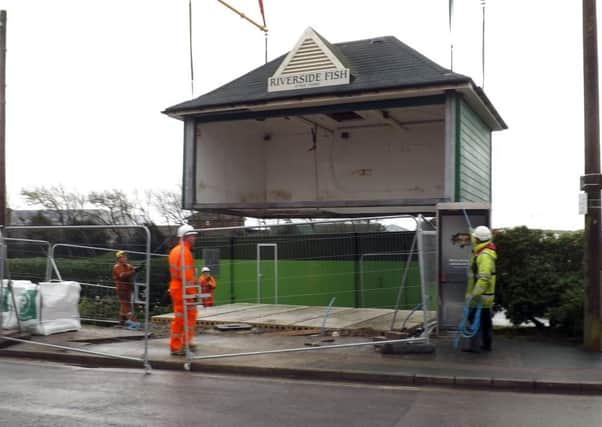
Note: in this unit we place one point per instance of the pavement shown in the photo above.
(517, 363)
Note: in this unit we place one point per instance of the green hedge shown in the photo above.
(540, 275)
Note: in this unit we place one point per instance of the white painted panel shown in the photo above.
(274, 161)
(291, 160)
(383, 163)
(230, 163)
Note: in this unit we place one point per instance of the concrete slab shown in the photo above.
(345, 318)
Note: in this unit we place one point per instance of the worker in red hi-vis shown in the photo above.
(182, 273)
(208, 285)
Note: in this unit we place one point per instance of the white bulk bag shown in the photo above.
(59, 308)
(27, 298)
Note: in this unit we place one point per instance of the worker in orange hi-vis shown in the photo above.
(208, 285)
(181, 263)
(123, 275)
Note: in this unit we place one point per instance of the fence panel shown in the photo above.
(81, 264)
(316, 262)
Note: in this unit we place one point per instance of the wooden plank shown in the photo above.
(297, 317)
(248, 315)
(345, 318)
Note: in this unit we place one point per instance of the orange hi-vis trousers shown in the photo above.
(177, 339)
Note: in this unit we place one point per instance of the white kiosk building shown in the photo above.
(366, 127)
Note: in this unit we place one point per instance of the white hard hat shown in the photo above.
(185, 229)
(482, 233)
(204, 269)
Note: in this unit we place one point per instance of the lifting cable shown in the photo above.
(263, 28)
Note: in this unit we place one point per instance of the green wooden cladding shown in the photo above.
(473, 156)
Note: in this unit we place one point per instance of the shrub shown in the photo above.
(540, 274)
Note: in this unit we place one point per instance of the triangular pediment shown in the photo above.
(311, 63)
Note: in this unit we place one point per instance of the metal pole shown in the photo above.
(190, 48)
(258, 274)
(591, 181)
(184, 304)
(483, 45)
(2, 257)
(147, 366)
(275, 274)
(3, 218)
(312, 223)
(326, 314)
(403, 279)
(361, 290)
(421, 263)
(322, 347)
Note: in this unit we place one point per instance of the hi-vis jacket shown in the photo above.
(481, 276)
(175, 266)
(208, 286)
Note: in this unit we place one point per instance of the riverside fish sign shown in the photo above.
(306, 80)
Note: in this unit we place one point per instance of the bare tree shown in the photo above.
(66, 205)
(119, 209)
(168, 205)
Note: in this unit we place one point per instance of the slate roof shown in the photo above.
(375, 64)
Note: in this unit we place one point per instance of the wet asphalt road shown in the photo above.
(45, 394)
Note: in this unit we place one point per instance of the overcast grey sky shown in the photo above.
(87, 80)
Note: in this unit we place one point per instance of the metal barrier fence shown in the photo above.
(98, 302)
(351, 261)
(343, 253)
(52, 267)
(357, 261)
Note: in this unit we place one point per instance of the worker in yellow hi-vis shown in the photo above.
(480, 290)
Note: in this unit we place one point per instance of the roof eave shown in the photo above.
(323, 99)
(476, 98)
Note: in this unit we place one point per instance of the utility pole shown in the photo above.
(591, 182)
(3, 219)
